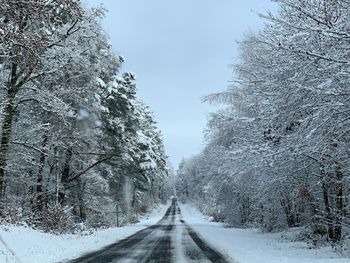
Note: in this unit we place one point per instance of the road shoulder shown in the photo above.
(250, 245)
(35, 246)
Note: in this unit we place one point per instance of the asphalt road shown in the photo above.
(170, 240)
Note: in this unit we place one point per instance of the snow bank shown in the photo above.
(251, 246)
(25, 245)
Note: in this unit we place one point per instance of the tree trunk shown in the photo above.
(82, 212)
(6, 130)
(65, 176)
(329, 217)
(289, 212)
(79, 204)
(4, 143)
(40, 199)
(339, 205)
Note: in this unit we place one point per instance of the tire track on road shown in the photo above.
(155, 244)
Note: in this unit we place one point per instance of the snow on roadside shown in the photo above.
(251, 246)
(25, 245)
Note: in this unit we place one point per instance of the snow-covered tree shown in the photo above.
(277, 155)
(66, 135)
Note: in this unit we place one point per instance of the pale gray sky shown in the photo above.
(180, 51)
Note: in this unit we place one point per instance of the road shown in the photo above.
(170, 240)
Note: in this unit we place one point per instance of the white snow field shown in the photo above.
(252, 246)
(25, 245)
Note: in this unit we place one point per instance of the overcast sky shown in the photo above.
(180, 51)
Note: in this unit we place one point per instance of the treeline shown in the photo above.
(77, 147)
(277, 155)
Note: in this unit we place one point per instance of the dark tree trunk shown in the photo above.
(287, 207)
(329, 217)
(82, 212)
(339, 205)
(6, 130)
(65, 176)
(4, 143)
(79, 205)
(41, 199)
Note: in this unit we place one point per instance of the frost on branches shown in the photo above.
(75, 142)
(277, 155)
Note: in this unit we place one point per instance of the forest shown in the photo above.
(276, 152)
(78, 148)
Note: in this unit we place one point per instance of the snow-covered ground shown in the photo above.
(24, 245)
(252, 246)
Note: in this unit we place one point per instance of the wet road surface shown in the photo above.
(170, 240)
